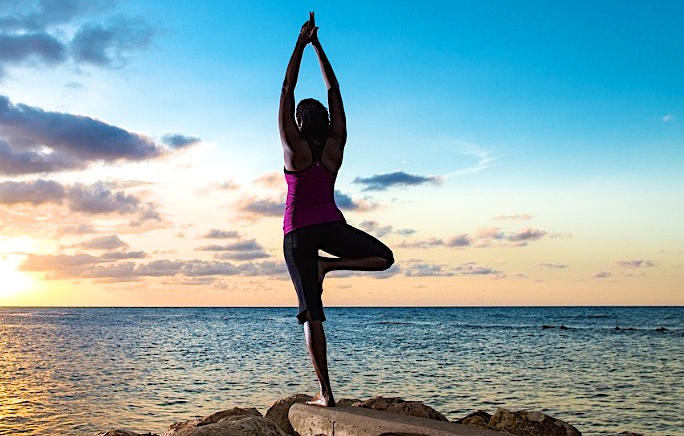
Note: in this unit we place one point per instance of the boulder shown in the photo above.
(479, 418)
(278, 411)
(233, 422)
(530, 423)
(398, 405)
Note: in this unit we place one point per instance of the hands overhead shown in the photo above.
(309, 32)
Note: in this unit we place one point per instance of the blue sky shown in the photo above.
(546, 138)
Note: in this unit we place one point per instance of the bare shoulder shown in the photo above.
(296, 154)
(333, 152)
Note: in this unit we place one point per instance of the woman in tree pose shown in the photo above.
(313, 144)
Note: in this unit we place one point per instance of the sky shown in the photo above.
(509, 153)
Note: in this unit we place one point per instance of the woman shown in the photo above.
(313, 144)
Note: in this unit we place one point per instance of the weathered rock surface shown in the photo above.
(529, 423)
(479, 418)
(398, 405)
(119, 432)
(233, 422)
(278, 411)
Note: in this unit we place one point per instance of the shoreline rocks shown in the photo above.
(250, 422)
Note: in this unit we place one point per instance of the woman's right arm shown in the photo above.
(289, 132)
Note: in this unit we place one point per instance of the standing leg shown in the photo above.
(317, 347)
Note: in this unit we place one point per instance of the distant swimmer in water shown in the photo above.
(313, 144)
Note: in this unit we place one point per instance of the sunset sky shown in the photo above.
(510, 153)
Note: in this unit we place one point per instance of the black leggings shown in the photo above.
(337, 238)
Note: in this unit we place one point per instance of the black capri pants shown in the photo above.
(337, 238)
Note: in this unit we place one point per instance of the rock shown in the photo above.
(661, 329)
(278, 411)
(530, 423)
(233, 422)
(629, 433)
(347, 401)
(118, 432)
(562, 327)
(479, 418)
(398, 405)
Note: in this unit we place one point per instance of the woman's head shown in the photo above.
(312, 119)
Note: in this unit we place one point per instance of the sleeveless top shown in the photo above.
(310, 197)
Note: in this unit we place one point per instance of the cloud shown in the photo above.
(19, 48)
(345, 202)
(35, 192)
(422, 269)
(382, 182)
(603, 275)
(100, 198)
(518, 217)
(550, 265)
(177, 141)
(472, 268)
(261, 206)
(426, 269)
(111, 44)
(221, 234)
(240, 250)
(36, 141)
(39, 33)
(105, 267)
(375, 228)
(459, 241)
(632, 264)
(109, 242)
(667, 118)
(486, 237)
(428, 243)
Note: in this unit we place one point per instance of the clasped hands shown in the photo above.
(309, 32)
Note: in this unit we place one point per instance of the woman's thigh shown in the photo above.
(345, 241)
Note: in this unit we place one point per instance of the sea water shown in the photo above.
(82, 370)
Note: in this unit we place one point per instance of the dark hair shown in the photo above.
(312, 119)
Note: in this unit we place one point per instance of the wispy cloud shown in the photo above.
(382, 182)
(485, 237)
(222, 234)
(428, 269)
(633, 264)
(516, 217)
(108, 242)
(378, 230)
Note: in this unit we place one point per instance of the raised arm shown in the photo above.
(338, 120)
(289, 133)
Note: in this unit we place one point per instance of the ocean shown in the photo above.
(76, 371)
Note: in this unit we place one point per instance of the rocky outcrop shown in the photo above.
(529, 423)
(249, 421)
(479, 418)
(398, 405)
(232, 422)
(278, 411)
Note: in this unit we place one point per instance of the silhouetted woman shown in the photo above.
(313, 144)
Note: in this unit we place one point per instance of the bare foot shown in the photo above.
(322, 401)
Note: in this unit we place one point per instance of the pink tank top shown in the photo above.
(310, 197)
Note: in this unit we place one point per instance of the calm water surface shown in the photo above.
(78, 371)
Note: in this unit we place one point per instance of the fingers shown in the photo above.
(311, 19)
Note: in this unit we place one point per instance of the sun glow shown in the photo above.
(13, 281)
